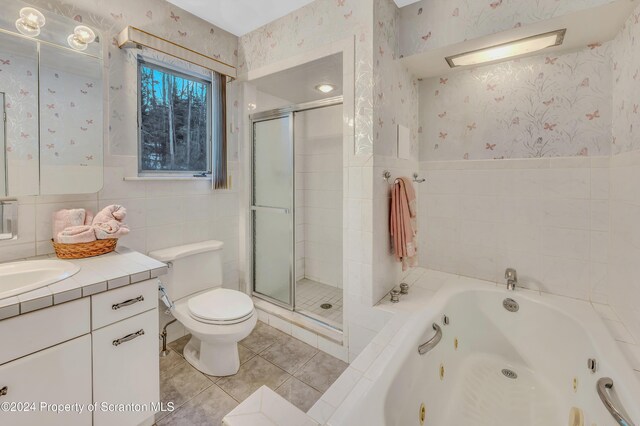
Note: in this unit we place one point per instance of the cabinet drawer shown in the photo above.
(29, 333)
(58, 375)
(126, 368)
(125, 302)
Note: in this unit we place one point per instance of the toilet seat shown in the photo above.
(220, 306)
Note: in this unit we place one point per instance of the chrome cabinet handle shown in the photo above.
(604, 384)
(128, 337)
(4, 391)
(127, 303)
(273, 209)
(431, 343)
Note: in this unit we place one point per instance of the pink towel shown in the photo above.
(110, 229)
(88, 218)
(77, 234)
(114, 211)
(65, 218)
(403, 222)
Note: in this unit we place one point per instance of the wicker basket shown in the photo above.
(82, 250)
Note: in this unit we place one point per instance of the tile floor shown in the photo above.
(295, 370)
(311, 294)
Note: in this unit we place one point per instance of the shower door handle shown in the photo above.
(272, 209)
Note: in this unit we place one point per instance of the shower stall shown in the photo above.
(296, 208)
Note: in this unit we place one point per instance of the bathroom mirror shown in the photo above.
(71, 129)
(51, 90)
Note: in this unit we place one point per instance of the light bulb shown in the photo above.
(84, 34)
(30, 22)
(76, 43)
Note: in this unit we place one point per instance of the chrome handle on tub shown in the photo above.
(604, 384)
(431, 343)
(127, 303)
(4, 390)
(128, 337)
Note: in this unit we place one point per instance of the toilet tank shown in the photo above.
(192, 267)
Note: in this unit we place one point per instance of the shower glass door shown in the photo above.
(272, 209)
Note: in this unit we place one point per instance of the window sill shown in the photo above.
(166, 178)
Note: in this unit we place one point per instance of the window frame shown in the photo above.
(180, 72)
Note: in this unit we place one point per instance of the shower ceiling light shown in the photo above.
(325, 88)
(30, 22)
(508, 50)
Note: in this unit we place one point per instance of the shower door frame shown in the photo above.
(288, 111)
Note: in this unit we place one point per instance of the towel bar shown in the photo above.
(386, 175)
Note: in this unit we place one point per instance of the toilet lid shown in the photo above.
(220, 304)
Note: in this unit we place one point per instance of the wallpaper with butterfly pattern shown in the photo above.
(19, 83)
(314, 25)
(626, 86)
(541, 106)
(157, 17)
(429, 24)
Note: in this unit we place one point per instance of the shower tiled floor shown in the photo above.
(295, 370)
(310, 295)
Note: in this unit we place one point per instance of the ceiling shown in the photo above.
(240, 17)
(297, 84)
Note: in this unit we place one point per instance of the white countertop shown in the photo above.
(97, 274)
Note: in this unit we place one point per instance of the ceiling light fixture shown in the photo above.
(82, 36)
(30, 22)
(508, 50)
(325, 88)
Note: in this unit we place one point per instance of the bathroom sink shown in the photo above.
(21, 277)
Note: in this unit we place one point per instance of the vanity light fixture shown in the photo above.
(508, 50)
(325, 88)
(82, 36)
(30, 22)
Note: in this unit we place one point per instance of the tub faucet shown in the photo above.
(512, 278)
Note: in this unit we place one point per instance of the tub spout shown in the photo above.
(512, 278)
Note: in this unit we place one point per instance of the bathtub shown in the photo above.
(495, 367)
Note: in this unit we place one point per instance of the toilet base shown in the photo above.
(218, 360)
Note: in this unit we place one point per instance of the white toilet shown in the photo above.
(217, 318)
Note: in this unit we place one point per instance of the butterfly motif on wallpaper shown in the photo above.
(89, 157)
(380, 122)
(549, 126)
(585, 82)
(51, 145)
(594, 115)
(500, 99)
(442, 114)
(635, 76)
(89, 85)
(593, 46)
(443, 80)
(72, 142)
(84, 92)
(456, 12)
(175, 17)
(77, 18)
(471, 126)
(495, 4)
(584, 152)
(5, 61)
(340, 3)
(72, 104)
(51, 106)
(420, 11)
(51, 91)
(348, 15)
(89, 121)
(443, 135)
(84, 129)
(149, 14)
(182, 33)
(116, 17)
(491, 87)
(51, 131)
(24, 135)
(635, 108)
(549, 102)
(550, 61)
(427, 36)
(490, 146)
(300, 43)
(24, 92)
(29, 73)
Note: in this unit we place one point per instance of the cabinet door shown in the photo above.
(126, 369)
(58, 375)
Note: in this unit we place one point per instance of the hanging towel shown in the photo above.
(63, 219)
(110, 229)
(112, 212)
(77, 234)
(403, 222)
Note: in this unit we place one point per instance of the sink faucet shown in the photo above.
(512, 278)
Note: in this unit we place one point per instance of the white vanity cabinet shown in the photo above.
(58, 375)
(100, 352)
(125, 354)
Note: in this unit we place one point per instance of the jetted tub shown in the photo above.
(495, 367)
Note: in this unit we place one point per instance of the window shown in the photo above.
(181, 123)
